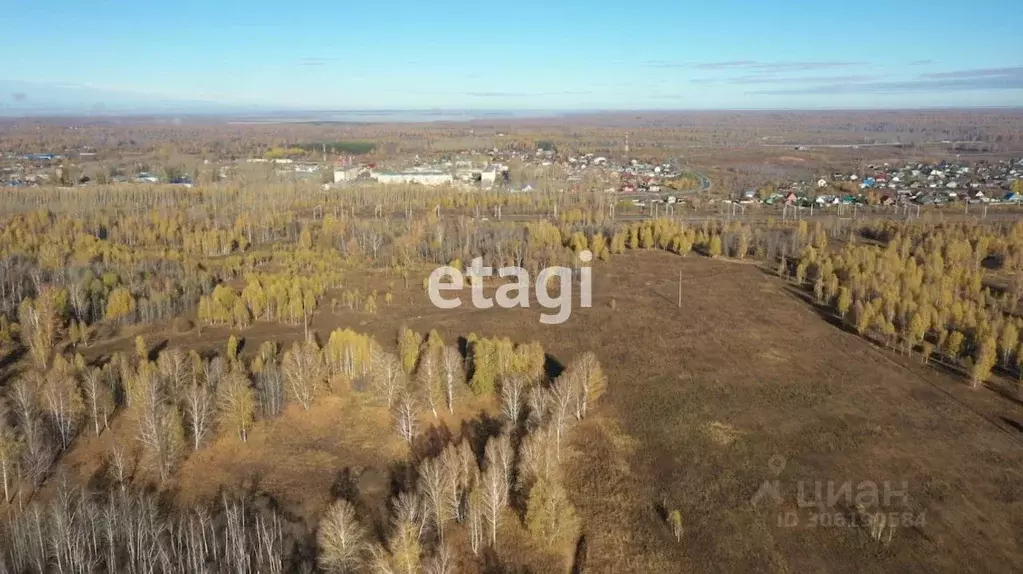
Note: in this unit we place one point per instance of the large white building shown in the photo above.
(423, 177)
(488, 176)
(346, 174)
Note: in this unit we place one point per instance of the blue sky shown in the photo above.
(527, 54)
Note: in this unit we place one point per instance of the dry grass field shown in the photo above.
(700, 398)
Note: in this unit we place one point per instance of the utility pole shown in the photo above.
(679, 288)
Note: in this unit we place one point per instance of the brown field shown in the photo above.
(700, 398)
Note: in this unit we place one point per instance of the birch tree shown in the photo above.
(589, 381)
(457, 481)
(494, 498)
(442, 561)
(500, 456)
(175, 368)
(538, 456)
(550, 517)
(10, 449)
(406, 548)
(409, 344)
(303, 372)
(270, 389)
(199, 406)
(38, 320)
(475, 521)
(236, 405)
(406, 417)
(63, 404)
(428, 378)
(539, 402)
(433, 483)
(513, 395)
(37, 452)
(342, 541)
(452, 374)
(387, 375)
(158, 429)
(562, 398)
(99, 399)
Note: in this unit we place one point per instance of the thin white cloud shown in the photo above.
(754, 65)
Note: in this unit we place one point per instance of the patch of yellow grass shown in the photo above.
(722, 433)
(773, 356)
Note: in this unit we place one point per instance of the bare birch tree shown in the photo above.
(500, 456)
(406, 547)
(388, 378)
(236, 405)
(538, 456)
(452, 374)
(341, 539)
(494, 498)
(457, 481)
(270, 390)
(442, 561)
(539, 408)
(513, 395)
(562, 399)
(99, 399)
(429, 381)
(475, 521)
(410, 508)
(158, 428)
(38, 321)
(37, 453)
(63, 404)
(433, 483)
(213, 370)
(199, 406)
(118, 458)
(175, 368)
(304, 372)
(406, 417)
(10, 449)
(588, 382)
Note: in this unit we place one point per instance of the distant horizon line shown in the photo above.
(266, 112)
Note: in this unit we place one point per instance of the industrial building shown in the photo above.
(488, 176)
(423, 177)
(346, 174)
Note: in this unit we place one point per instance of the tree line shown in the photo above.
(924, 287)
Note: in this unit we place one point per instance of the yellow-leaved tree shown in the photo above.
(120, 304)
